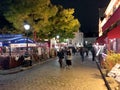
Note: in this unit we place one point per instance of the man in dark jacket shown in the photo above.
(60, 55)
(81, 50)
(93, 53)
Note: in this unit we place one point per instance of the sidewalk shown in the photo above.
(110, 81)
(20, 68)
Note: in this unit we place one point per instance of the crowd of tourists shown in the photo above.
(66, 54)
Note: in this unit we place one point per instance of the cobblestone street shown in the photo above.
(48, 76)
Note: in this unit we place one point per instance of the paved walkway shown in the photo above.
(49, 76)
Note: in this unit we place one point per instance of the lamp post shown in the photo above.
(9, 48)
(27, 27)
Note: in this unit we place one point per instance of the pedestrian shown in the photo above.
(60, 55)
(73, 50)
(65, 53)
(93, 53)
(86, 51)
(68, 58)
(81, 50)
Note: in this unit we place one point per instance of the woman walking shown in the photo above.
(68, 58)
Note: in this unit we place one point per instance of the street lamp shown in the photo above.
(27, 27)
(57, 40)
(57, 36)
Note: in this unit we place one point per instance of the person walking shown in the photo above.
(82, 53)
(60, 55)
(68, 58)
(65, 53)
(74, 50)
(93, 53)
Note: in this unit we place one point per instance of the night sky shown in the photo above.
(87, 12)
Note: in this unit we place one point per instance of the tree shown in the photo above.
(35, 12)
(67, 24)
(47, 20)
(63, 24)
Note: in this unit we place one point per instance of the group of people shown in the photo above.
(84, 52)
(66, 54)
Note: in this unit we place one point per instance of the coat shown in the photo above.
(60, 54)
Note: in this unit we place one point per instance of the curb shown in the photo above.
(19, 69)
(13, 72)
(106, 82)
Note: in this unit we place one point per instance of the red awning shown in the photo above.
(101, 40)
(114, 33)
(114, 18)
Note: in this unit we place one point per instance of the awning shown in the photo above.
(101, 40)
(14, 45)
(6, 40)
(24, 40)
(114, 33)
(114, 18)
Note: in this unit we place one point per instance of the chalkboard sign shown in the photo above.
(115, 72)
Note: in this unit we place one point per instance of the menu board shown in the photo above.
(115, 72)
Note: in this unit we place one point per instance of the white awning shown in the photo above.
(22, 45)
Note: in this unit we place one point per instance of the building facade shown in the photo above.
(109, 27)
(77, 41)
